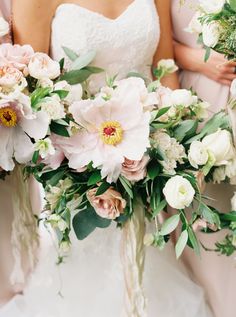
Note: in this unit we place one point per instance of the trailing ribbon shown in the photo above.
(24, 239)
(133, 258)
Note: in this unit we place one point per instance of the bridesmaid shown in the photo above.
(16, 216)
(211, 81)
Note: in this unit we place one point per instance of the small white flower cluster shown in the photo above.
(44, 147)
(173, 151)
(55, 192)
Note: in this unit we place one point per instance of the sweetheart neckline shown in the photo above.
(98, 13)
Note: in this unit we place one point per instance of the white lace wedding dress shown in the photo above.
(91, 282)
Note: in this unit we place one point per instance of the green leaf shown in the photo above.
(207, 54)
(94, 70)
(62, 62)
(94, 178)
(61, 93)
(86, 221)
(233, 4)
(53, 181)
(103, 188)
(153, 169)
(162, 111)
(181, 243)
(59, 129)
(127, 186)
(35, 157)
(170, 225)
(209, 215)
(70, 53)
(75, 77)
(83, 61)
(39, 94)
(193, 240)
(160, 207)
(185, 130)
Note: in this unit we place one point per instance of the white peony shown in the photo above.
(41, 66)
(168, 65)
(4, 27)
(220, 145)
(179, 192)
(53, 107)
(212, 6)
(44, 147)
(233, 202)
(182, 97)
(211, 33)
(198, 154)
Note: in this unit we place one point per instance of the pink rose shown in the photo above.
(10, 76)
(16, 55)
(134, 171)
(109, 205)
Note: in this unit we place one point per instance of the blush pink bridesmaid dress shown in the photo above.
(19, 202)
(216, 274)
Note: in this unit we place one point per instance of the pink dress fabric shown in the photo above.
(216, 274)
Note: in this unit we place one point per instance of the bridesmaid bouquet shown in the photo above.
(34, 94)
(133, 143)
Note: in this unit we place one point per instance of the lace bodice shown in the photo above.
(124, 44)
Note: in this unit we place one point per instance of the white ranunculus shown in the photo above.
(195, 25)
(75, 92)
(212, 6)
(220, 145)
(41, 66)
(168, 65)
(219, 175)
(198, 154)
(233, 202)
(233, 89)
(53, 107)
(179, 192)
(182, 97)
(211, 33)
(4, 27)
(44, 147)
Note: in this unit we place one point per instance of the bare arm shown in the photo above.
(32, 22)
(165, 47)
(217, 68)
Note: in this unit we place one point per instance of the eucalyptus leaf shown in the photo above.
(170, 225)
(127, 186)
(75, 77)
(83, 61)
(193, 240)
(70, 53)
(160, 207)
(185, 130)
(53, 181)
(181, 243)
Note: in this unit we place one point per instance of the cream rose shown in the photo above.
(109, 205)
(179, 192)
(198, 154)
(11, 77)
(4, 27)
(134, 171)
(168, 65)
(16, 55)
(182, 97)
(220, 145)
(42, 66)
(211, 33)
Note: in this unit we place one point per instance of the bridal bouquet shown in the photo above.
(130, 144)
(34, 94)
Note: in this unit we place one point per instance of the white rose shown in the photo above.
(168, 65)
(4, 27)
(233, 89)
(42, 66)
(221, 146)
(44, 147)
(179, 192)
(212, 6)
(198, 154)
(75, 92)
(211, 33)
(219, 175)
(233, 202)
(182, 97)
(195, 25)
(53, 107)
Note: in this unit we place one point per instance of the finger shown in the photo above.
(228, 76)
(225, 82)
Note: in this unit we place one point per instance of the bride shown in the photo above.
(127, 35)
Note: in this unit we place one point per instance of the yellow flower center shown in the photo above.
(111, 132)
(8, 117)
